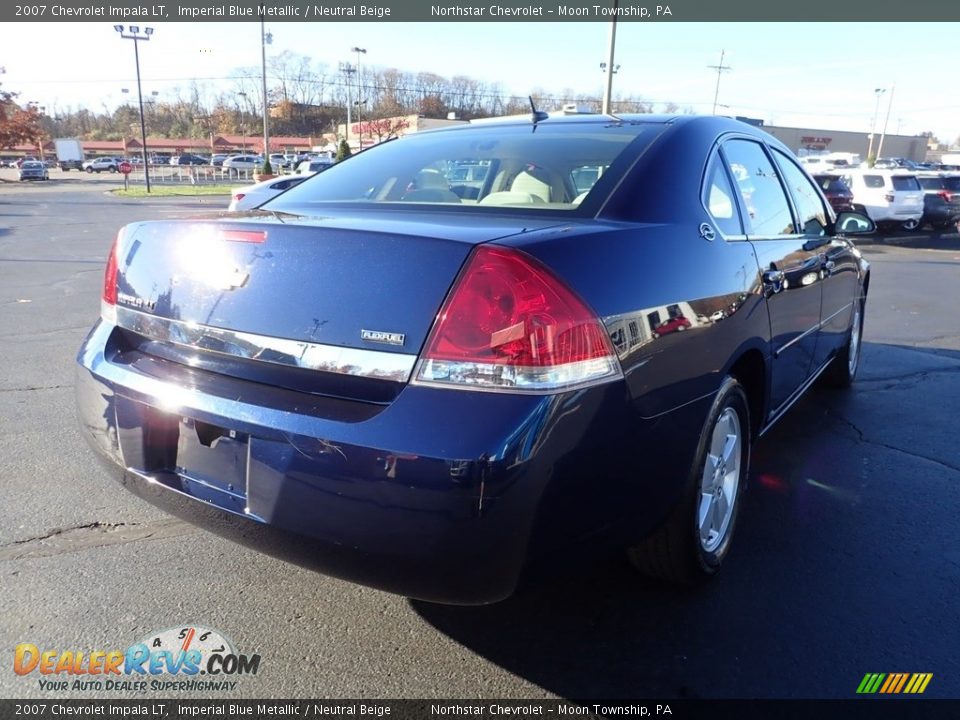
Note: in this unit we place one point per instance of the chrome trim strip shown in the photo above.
(775, 415)
(376, 364)
(845, 308)
(797, 339)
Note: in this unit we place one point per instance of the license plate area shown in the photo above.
(212, 463)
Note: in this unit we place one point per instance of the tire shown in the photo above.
(691, 545)
(843, 369)
(910, 224)
(90, 170)
(113, 168)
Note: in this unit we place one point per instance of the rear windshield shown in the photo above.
(905, 182)
(536, 167)
(952, 183)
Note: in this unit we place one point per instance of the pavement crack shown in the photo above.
(35, 387)
(93, 535)
(862, 438)
(60, 531)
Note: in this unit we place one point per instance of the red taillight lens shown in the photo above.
(108, 298)
(509, 323)
(946, 195)
(110, 276)
(239, 196)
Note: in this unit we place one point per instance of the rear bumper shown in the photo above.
(438, 496)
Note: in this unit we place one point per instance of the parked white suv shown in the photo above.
(888, 196)
(97, 165)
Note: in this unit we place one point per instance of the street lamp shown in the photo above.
(265, 38)
(348, 69)
(873, 126)
(610, 65)
(360, 100)
(133, 33)
(243, 126)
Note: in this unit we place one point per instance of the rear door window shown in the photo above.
(810, 209)
(759, 187)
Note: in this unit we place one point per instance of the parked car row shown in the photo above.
(895, 198)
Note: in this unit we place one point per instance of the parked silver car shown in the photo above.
(34, 170)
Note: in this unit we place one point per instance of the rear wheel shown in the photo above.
(691, 546)
(90, 170)
(910, 224)
(843, 370)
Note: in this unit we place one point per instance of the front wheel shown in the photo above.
(692, 544)
(90, 170)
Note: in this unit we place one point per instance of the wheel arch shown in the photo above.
(750, 370)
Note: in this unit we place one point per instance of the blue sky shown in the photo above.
(819, 75)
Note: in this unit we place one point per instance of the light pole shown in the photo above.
(609, 65)
(347, 69)
(133, 33)
(873, 126)
(265, 38)
(243, 136)
(359, 50)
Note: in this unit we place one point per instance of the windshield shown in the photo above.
(539, 167)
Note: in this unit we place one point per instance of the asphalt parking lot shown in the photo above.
(847, 559)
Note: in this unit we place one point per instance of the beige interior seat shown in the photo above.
(527, 183)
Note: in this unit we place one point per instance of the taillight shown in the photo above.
(108, 299)
(510, 324)
(946, 195)
(889, 197)
(239, 196)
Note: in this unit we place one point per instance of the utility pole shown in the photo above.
(609, 66)
(893, 89)
(721, 68)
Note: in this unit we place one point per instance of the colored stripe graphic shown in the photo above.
(870, 683)
(894, 683)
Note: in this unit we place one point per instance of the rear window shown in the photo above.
(536, 167)
(952, 183)
(905, 182)
(931, 183)
(832, 185)
(873, 181)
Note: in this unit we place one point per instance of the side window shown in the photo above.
(758, 185)
(719, 199)
(810, 210)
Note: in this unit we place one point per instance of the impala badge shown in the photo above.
(379, 336)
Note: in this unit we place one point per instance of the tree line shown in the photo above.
(310, 99)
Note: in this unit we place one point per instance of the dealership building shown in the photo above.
(811, 141)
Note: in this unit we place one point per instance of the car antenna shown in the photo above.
(536, 115)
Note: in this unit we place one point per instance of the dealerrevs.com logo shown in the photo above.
(176, 659)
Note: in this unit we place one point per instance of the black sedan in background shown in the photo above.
(187, 159)
(424, 386)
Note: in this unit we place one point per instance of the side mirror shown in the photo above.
(854, 223)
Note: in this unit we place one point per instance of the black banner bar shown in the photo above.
(119, 11)
(874, 708)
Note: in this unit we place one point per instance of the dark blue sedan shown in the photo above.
(426, 383)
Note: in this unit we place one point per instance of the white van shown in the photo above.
(888, 196)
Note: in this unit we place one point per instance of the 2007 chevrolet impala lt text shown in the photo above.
(466, 350)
